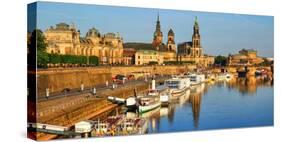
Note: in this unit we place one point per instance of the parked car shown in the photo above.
(120, 79)
(131, 77)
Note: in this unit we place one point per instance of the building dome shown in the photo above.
(62, 26)
(171, 32)
(239, 56)
(110, 35)
(93, 33)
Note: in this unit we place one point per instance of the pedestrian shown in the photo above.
(82, 87)
(94, 91)
(47, 93)
(106, 83)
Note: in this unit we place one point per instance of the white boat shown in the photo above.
(165, 94)
(228, 76)
(165, 98)
(177, 85)
(155, 113)
(225, 77)
(196, 79)
(131, 103)
(116, 100)
(148, 103)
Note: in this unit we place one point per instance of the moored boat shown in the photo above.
(165, 98)
(177, 86)
(165, 94)
(225, 77)
(131, 103)
(196, 79)
(148, 103)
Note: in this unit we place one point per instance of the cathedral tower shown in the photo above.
(171, 46)
(196, 50)
(158, 35)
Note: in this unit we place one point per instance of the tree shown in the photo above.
(54, 58)
(37, 41)
(94, 60)
(220, 60)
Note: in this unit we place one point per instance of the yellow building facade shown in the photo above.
(245, 57)
(65, 39)
(146, 57)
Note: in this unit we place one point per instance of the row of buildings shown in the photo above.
(109, 48)
(245, 57)
(65, 39)
(170, 52)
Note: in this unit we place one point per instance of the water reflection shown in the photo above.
(249, 85)
(170, 118)
(195, 101)
(213, 106)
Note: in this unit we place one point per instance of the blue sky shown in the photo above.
(221, 33)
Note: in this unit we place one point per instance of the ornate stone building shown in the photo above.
(66, 40)
(245, 57)
(168, 50)
(192, 51)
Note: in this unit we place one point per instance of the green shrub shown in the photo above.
(72, 59)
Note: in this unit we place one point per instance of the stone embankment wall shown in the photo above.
(58, 79)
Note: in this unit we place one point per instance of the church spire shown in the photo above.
(196, 27)
(158, 35)
(196, 21)
(196, 37)
(158, 16)
(158, 27)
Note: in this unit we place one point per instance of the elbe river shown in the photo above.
(233, 104)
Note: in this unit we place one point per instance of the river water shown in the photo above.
(233, 104)
(240, 102)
